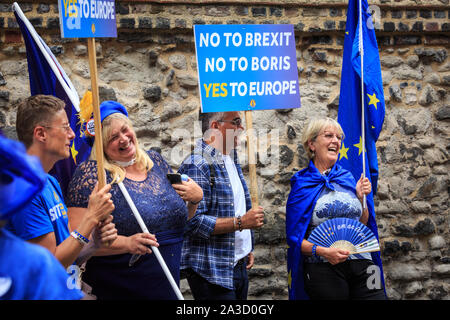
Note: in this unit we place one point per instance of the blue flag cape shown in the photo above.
(306, 187)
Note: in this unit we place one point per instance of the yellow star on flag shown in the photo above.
(373, 100)
(74, 152)
(343, 152)
(359, 146)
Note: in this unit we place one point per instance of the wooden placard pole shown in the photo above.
(251, 159)
(98, 142)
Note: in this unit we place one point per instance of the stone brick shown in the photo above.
(36, 22)
(427, 14)
(389, 26)
(13, 37)
(180, 23)
(335, 12)
(43, 8)
(402, 27)
(162, 23)
(52, 23)
(291, 12)
(396, 14)
(329, 25)
(411, 14)
(439, 14)
(122, 8)
(432, 26)
(145, 23)
(417, 26)
(407, 40)
(127, 23)
(241, 11)
(12, 23)
(259, 12)
(5, 7)
(276, 11)
(217, 11)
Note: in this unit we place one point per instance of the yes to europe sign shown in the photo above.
(87, 18)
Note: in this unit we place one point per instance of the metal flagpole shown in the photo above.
(154, 249)
(363, 135)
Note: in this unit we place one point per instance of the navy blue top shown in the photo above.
(164, 214)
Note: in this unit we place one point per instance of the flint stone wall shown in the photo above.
(151, 68)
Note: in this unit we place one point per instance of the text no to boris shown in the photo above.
(254, 88)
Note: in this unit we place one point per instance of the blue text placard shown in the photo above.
(87, 18)
(246, 67)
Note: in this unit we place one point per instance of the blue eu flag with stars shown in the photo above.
(350, 108)
(47, 77)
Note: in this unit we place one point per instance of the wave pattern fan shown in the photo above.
(346, 234)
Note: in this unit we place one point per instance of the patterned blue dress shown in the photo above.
(164, 214)
(338, 203)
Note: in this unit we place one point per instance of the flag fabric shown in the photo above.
(48, 77)
(306, 187)
(350, 109)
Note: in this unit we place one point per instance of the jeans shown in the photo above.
(344, 281)
(204, 290)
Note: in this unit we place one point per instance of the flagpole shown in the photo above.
(98, 142)
(251, 159)
(363, 135)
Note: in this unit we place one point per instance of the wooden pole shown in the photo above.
(98, 142)
(251, 159)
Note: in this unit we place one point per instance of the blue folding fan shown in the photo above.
(344, 233)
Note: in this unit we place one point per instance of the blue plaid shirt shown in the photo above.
(211, 256)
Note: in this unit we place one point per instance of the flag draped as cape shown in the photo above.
(306, 187)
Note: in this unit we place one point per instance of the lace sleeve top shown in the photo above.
(159, 205)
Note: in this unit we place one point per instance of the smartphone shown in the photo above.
(174, 177)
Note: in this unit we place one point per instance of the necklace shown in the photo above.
(125, 164)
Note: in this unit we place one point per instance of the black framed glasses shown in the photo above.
(236, 121)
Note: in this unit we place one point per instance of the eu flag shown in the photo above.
(350, 108)
(47, 77)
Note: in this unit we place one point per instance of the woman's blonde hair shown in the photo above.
(313, 129)
(118, 173)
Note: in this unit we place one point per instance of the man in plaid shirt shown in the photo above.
(217, 249)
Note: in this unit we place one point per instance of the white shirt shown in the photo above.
(243, 239)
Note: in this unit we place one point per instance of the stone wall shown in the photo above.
(151, 68)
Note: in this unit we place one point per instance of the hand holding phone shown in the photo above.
(176, 178)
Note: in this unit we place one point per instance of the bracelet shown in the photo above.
(239, 223)
(81, 239)
(314, 248)
(195, 203)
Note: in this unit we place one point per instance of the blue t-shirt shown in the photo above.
(31, 272)
(46, 213)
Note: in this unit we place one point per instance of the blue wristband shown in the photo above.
(314, 248)
(79, 237)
